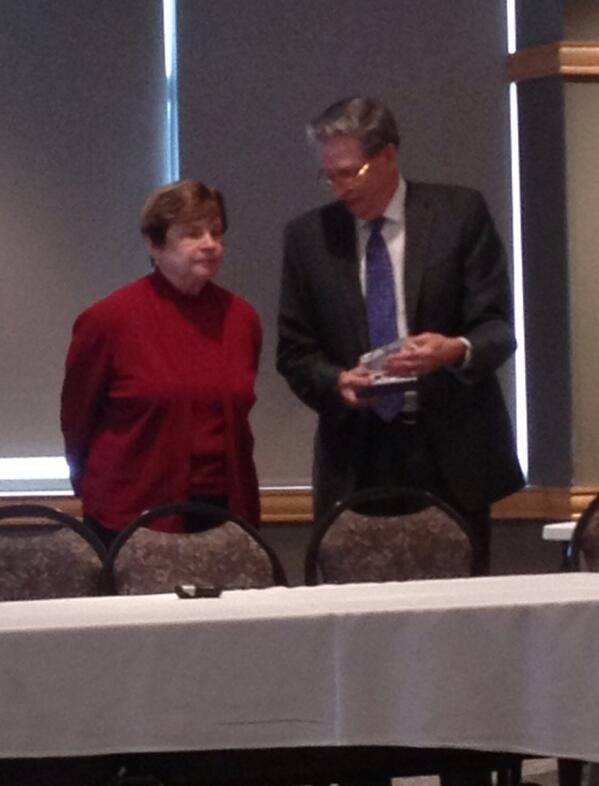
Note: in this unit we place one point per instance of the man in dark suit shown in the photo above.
(444, 289)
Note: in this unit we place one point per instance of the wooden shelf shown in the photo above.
(572, 60)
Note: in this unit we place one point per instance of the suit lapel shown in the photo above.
(340, 236)
(418, 221)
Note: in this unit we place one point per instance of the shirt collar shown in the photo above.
(395, 210)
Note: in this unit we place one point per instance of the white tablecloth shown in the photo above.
(501, 663)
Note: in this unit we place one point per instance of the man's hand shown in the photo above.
(425, 353)
(349, 382)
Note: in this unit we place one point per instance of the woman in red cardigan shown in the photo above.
(159, 379)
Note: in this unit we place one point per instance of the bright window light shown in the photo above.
(36, 476)
(41, 468)
(520, 358)
(511, 26)
(169, 15)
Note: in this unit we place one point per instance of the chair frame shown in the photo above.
(412, 500)
(570, 770)
(53, 519)
(200, 508)
(25, 510)
(577, 551)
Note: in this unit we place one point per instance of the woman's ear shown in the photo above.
(151, 249)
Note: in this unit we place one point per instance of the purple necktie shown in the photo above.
(381, 309)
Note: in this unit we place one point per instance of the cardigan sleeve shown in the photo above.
(257, 338)
(84, 391)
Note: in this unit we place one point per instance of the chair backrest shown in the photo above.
(389, 534)
(226, 553)
(585, 539)
(45, 553)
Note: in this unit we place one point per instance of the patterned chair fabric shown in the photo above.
(46, 560)
(226, 555)
(424, 540)
(585, 540)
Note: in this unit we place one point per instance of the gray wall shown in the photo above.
(545, 262)
(581, 21)
(81, 146)
(252, 74)
(582, 157)
(82, 143)
(560, 160)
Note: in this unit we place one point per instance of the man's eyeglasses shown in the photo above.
(342, 179)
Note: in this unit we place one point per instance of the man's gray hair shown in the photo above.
(367, 120)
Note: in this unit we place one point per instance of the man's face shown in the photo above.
(366, 193)
(191, 254)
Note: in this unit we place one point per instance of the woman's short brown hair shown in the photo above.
(180, 203)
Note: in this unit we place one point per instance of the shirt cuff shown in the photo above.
(468, 356)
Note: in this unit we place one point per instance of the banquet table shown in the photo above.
(484, 664)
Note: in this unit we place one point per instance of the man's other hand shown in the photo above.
(349, 383)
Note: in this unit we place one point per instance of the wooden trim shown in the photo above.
(535, 502)
(68, 504)
(580, 499)
(294, 506)
(286, 506)
(279, 506)
(546, 502)
(572, 60)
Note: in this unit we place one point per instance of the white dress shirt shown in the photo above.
(394, 235)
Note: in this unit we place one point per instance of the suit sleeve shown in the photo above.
(300, 356)
(487, 302)
(84, 391)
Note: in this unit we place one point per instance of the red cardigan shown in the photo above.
(127, 397)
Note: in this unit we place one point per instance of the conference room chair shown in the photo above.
(585, 556)
(225, 553)
(388, 534)
(45, 553)
(395, 534)
(585, 539)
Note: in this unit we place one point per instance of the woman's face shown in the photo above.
(191, 254)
